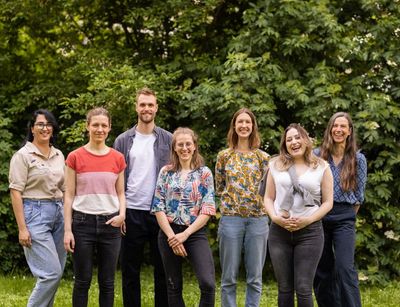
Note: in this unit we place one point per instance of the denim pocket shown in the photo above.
(31, 211)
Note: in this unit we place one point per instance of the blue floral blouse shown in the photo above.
(184, 201)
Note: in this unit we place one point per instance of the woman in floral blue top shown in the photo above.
(336, 280)
(183, 203)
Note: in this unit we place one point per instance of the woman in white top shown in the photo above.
(299, 193)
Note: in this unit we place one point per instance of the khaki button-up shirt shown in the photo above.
(37, 176)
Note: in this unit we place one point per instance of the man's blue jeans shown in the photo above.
(336, 280)
(93, 235)
(46, 257)
(236, 235)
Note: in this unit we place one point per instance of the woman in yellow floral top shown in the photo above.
(243, 226)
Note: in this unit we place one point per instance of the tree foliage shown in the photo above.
(289, 61)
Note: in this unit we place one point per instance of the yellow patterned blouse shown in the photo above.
(237, 177)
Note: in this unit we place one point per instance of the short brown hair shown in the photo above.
(145, 91)
(98, 111)
(254, 138)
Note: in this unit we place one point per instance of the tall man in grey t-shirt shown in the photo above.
(146, 148)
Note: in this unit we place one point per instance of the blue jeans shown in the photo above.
(141, 228)
(46, 257)
(336, 280)
(236, 235)
(93, 235)
(294, 257)
(199, 256)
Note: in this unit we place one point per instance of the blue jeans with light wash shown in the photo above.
(46, 257)
(239, 235)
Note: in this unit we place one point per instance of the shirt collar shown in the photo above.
(34, 150)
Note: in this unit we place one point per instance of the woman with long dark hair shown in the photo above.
(243, 227)
(183, 203)
(299, 193)
(37, 187)
(336, 280)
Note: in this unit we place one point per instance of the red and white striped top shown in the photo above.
(96, 177)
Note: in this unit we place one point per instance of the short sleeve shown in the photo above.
(18, 174)
(121, 161)
(71, 160)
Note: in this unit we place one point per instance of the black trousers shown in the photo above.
(141, 228)
(200, 257)
(93, 235)
(294, 257)
(336, 280)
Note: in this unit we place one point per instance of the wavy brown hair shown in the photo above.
(348, 173)
(197, 159)
(254, 138)
(285, 159)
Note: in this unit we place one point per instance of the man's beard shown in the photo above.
(147, 118)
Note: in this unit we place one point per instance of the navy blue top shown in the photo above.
(355, 196)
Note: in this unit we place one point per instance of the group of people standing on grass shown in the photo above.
(153, 187)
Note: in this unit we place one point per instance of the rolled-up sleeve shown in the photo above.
(208, 193)
(158, 203)
(18, 174)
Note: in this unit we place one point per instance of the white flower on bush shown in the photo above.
(362, 276)
(391, 235)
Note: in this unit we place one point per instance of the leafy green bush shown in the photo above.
(289, 61)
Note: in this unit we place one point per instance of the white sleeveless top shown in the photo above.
(310, 180)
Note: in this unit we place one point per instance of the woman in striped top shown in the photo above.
(94, 209)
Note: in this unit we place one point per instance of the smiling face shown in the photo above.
(340, 130)
(42, 130)
(146, 108)
(243, 126)
(295, 144)
(98, 127)
(184, 147)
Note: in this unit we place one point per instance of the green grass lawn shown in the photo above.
(15, 290)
